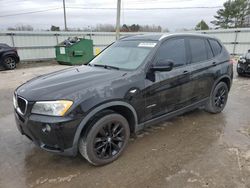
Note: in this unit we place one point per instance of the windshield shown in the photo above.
(124, 55)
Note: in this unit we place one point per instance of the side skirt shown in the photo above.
(171, 115)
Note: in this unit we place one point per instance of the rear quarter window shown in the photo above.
(209, 50)
(216, 47)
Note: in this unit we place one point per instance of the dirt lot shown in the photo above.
(194, 150)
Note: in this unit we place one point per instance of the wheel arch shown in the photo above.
(225, 79)
(9, 54)
(121, 107)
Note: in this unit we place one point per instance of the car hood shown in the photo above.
(65, 83)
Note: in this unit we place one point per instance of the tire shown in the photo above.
(9, 63)
(106, 139)
(218, 98)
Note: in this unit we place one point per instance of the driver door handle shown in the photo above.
(185, 72)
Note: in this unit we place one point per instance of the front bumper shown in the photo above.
(53, 134)
(244, 67)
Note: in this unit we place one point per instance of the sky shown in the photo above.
(88, 13)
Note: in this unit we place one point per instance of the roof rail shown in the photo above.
(124, 37)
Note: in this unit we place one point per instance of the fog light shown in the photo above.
(47, 128)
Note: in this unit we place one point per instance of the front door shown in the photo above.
(166, 91)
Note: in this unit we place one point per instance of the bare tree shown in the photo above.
(21, 27)
(104, 28)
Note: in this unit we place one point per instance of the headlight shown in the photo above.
(14, 101)
(52, 108)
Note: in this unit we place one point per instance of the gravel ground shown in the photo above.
(193, 150)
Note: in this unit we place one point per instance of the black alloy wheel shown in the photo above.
(9, 63)
(218, 98)
(106, 138)
(109, 140)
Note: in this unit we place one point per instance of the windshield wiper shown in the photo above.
(106, 66)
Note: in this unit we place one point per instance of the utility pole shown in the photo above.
(118, 18)
(65, 21)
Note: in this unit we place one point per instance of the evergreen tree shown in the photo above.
(202, 25)
(232, 15)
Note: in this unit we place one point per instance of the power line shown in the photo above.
(30, 12)
(159, 1)
(108, 8)
(141, 9)
(17, 10)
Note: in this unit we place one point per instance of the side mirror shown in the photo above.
(163, 66)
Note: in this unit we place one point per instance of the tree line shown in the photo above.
(234, 14)
(97, 28)
(111, 28)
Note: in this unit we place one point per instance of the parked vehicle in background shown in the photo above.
(243, 65)
(135, 82)
(8, 57)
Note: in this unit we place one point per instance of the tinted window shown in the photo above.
(198, 50)
(209, 50)
(216, 47)
(173, 50)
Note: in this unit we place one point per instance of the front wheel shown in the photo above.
(106, 139)
(218, 98)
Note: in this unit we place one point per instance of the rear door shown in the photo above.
(168, 90)
(202, 67)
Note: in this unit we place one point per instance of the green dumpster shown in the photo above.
(74, 51)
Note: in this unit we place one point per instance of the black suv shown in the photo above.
(135, 82)
(8, 57)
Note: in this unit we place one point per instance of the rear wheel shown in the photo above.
(9, 63)
(106, 139)
(218, 98)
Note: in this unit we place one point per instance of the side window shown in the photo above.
(209, 50)
(173, 50)
(216, 47)
(198, 50)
